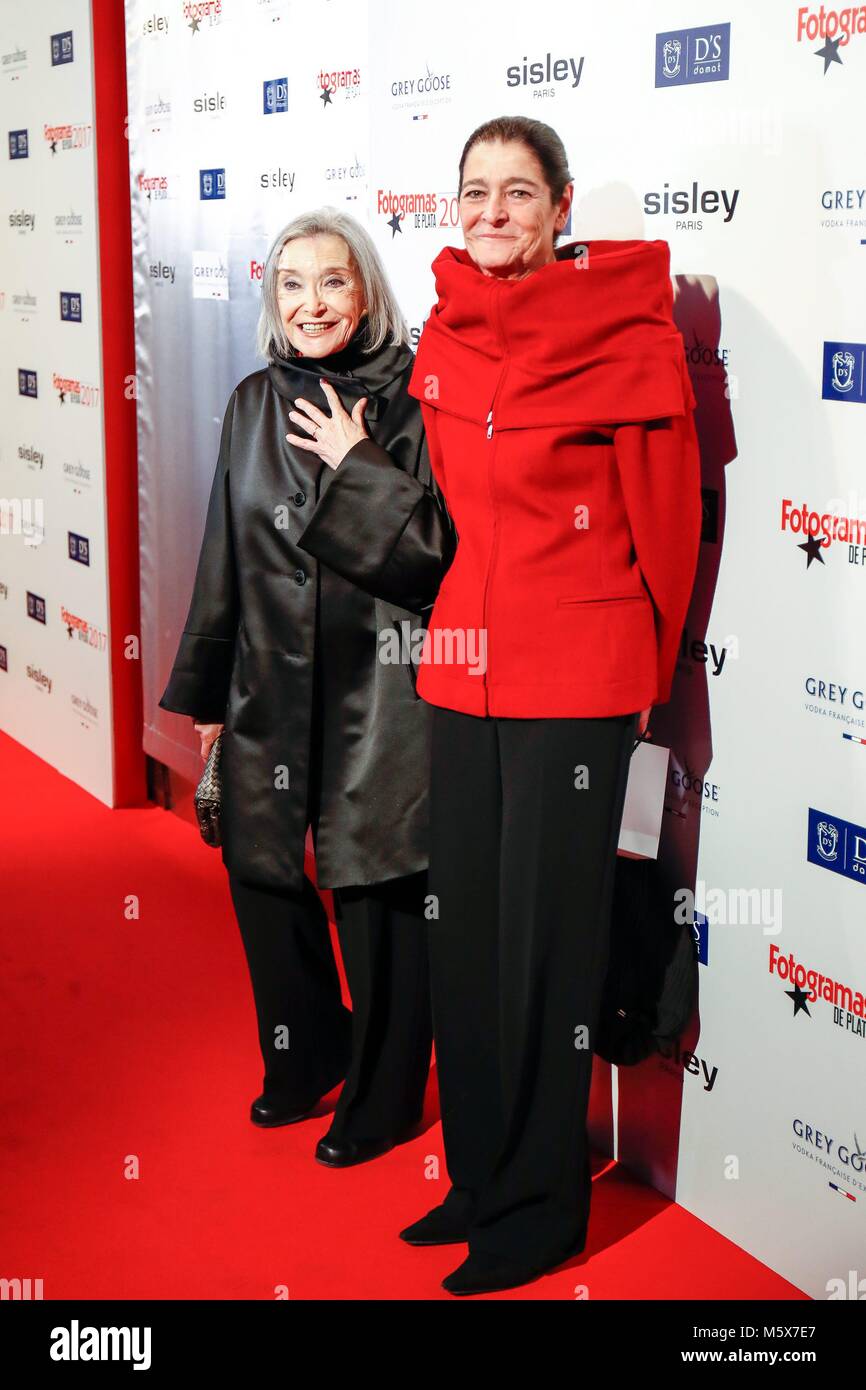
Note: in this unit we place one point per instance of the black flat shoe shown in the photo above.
(482, 1273)
(269, 1114)
(440, 1226)
(345, 1153)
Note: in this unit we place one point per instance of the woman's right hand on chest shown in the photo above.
(208, 734)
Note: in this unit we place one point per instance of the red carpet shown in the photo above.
(128, 1042)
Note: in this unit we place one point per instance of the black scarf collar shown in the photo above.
(353, 372)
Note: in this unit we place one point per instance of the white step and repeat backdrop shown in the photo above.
(734, 132)
(55, 673)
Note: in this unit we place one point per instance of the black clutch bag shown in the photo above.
(208, 796)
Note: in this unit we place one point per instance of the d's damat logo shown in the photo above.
(693, 55)
(837, 844)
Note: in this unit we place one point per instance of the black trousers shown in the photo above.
(309, 1040)
(383, 1046)
(521, 863)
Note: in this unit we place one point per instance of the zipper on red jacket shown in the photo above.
(496, 312)
(495, 543)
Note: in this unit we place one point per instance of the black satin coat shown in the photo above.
(247, 654)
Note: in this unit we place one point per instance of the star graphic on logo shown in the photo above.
(799, 997)
(325, 98)
(53, 147)
(69, 629)
(830, 53)
(62, 397)
(394, 224)
(812, 548)
(194, 25)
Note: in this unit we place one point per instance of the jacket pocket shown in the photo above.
(609, 600)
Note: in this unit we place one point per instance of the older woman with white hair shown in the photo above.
(311, 682)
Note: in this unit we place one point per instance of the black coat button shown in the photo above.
(300, 577)
(299, 499)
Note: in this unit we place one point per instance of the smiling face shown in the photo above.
(509, 221)
(319, 294)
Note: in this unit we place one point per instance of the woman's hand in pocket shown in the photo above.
(208, 733)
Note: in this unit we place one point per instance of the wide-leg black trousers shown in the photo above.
(309, 1040)
(383, 1046)
(525, 818)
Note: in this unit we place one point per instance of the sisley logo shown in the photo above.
(844, 372)
(76, 1343)
(544, 71)
(23, 221)
(155, 26)
(836, 844)
(278, 178)
(38, 677)
(690, 201)
(208, 105)
(685, 56)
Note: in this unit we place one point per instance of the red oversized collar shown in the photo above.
(563, 346)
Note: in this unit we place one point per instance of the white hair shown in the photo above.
(385, 319)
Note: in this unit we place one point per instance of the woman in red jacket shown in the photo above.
(558, 415)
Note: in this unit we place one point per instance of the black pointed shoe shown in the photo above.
(483, 1273)
(268, 1113)
(447, 1224)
